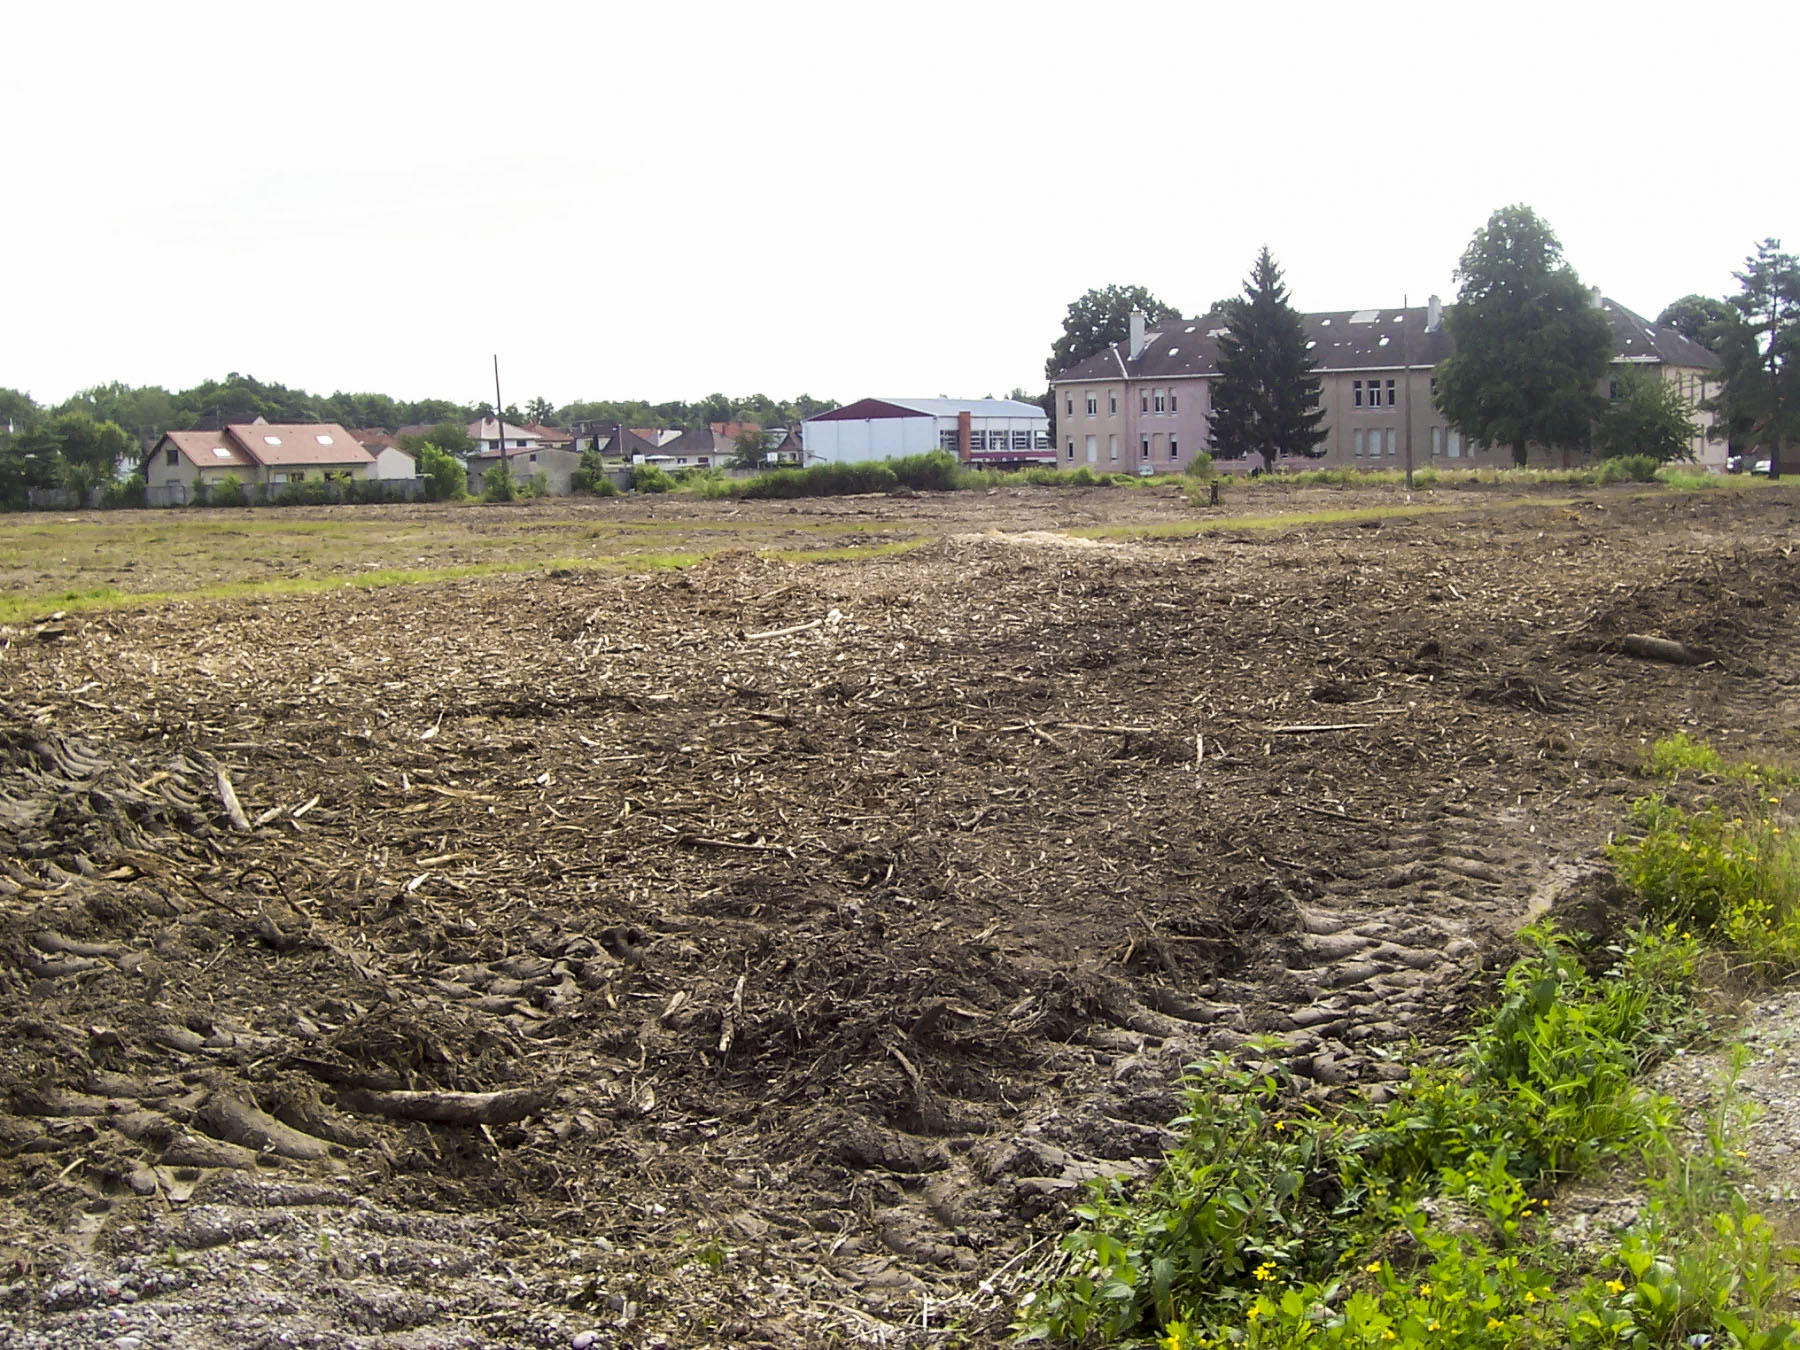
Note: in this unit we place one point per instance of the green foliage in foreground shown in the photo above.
(1422, 1223)
(1543, 1088)
(1729, 869)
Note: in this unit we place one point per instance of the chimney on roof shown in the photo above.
(1137, 333)
(965, 438)
(1434, 314)
(1595, 298)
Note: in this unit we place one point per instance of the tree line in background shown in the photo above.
(1530, 350)
(86, 441)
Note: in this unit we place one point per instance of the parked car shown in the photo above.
(1761, 468)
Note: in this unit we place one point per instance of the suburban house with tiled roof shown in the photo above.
(257, 454)
(490, 434)
(1144, 405)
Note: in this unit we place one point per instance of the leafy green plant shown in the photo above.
(446, 480)
(935, 472)
(1258, 1191)
(1628, 469)
(650, 478)
(498, 483)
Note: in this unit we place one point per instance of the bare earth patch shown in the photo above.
(763, 953)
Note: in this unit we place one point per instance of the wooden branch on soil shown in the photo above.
(700, 841)
(783, 632)
(451, 1108)
(228, 795)
(1660, 649)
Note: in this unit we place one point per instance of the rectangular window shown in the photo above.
(1391, 437)
(1112, 447)
(1357, 439)
(1093, 448)
(1356, 393)
(1156, 397)
(1069, 404)
(1021, 440)
(1171, 400)
(978, 440)
(1144, 449)
(1174, 450)
(493, 445)
(1093, 403)
(1391, 402)
(1144, 401)
(1612, 389)
(1437, 442)
(1042, 439)
(1112, 402)
(1456, 445)
(949, 440)
(1071, 449)
(171, 457)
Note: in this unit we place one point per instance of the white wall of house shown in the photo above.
(870, 438)
(394, 463)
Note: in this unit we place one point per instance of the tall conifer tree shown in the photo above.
(1266, 401)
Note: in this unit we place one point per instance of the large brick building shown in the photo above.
(1144, 405)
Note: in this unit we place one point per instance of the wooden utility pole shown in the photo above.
(499, 420)
(1406, 402)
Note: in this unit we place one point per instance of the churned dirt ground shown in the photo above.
(764, 952)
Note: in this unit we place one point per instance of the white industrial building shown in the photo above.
(991, 431)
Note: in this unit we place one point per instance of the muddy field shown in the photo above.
(764, 953)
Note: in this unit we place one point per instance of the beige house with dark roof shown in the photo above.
(1144, 405)
(255, 453)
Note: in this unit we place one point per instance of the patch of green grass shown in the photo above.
(1728, 868)
(1184, 529)
(24, 608)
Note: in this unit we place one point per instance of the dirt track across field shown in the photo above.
(765, 952)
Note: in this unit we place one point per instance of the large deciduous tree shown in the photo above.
(1100, 318)
(1698, 318)
(96, 446)
(1761, 353)
(1529, 345)
(1647, 415)
(1266, 401)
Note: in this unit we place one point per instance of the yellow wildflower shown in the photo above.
(1425, 1291)
(1530, 1297)
(1615, 1286)
(1373, 1268)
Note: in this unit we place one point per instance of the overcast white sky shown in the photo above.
(662, 200)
